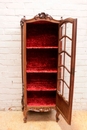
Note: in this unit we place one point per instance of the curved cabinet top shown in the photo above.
(39, 17)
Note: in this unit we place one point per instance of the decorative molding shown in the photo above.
(42, 16)
(22, 21)
(22, 100)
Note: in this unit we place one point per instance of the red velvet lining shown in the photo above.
(41, 63)
(41, 98)
(41, 81)
(42, 60)
(39, 35)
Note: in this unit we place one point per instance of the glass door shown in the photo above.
(66, 67)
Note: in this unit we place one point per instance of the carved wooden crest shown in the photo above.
(42, 16)
(38, 16)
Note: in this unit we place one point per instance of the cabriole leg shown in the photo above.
(25, 119)
(25, 115)
(57, 115)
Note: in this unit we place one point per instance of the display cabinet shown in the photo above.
(48, 64)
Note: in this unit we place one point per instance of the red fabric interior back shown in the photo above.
(41, 64)
(42, 59)
(41, 81)
(41, 98)
(42, 34)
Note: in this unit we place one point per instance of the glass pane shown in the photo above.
(68, 46)
(62, 58)
(67, 77)
(62, 31)
(69, 30)
(63, 90)
(61, 45)
(67, 62)
(66, 93)
(61, 72)
(59, 87)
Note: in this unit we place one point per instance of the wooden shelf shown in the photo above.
(42, 47)
(40, 71)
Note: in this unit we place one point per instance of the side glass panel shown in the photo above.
(65, 45)
(69, 30)
(66, 93)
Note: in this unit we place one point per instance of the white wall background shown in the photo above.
(11, 12)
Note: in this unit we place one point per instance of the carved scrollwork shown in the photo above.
(42, 16)
(22, 21)
(40, 109)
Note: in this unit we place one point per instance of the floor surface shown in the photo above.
(13, 120)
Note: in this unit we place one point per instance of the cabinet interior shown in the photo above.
(41, 63)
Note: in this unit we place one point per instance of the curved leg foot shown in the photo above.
(25, 115)
(57, 119)
(25, 119)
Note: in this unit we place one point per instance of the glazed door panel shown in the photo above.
(66, 67)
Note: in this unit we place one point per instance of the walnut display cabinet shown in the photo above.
(48, 64)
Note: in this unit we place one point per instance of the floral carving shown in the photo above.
(42, 16)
